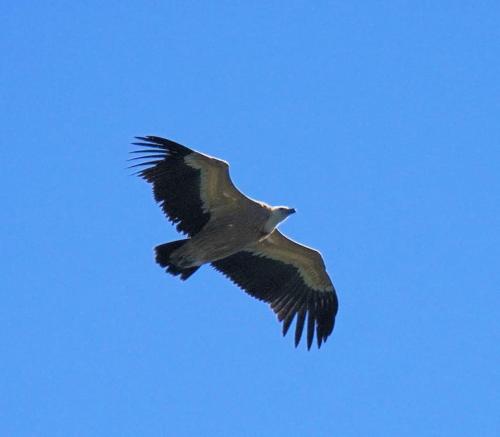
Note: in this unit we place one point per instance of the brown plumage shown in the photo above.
(236, 235)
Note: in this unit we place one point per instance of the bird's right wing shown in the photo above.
(291, 278)
(190, 186)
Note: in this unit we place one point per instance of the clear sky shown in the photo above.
(378, 121)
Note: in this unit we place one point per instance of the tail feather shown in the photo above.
(163, 252)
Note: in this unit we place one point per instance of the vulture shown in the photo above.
(237, 235)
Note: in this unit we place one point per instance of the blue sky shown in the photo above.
(378, 121)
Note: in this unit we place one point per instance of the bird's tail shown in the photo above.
(163, 252)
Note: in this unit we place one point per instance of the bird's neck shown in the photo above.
(272, 221)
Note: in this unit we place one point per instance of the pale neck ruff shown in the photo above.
(272, 221)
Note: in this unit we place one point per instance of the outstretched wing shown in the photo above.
(189, 185)
(292, 279)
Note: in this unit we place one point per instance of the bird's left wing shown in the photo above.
(292, 279)
(190, 186)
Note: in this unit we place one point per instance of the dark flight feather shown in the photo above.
(176, 185)
(283, 288)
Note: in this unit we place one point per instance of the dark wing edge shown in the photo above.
(176, 185)
(281, 285)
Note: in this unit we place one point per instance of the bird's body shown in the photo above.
(238, 236)
(219, 239)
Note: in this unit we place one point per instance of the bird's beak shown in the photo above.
(291, 211)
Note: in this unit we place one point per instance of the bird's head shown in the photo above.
(285, 211)
(282, 212)
(278, 214)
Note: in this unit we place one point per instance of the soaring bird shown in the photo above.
(237, 235)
